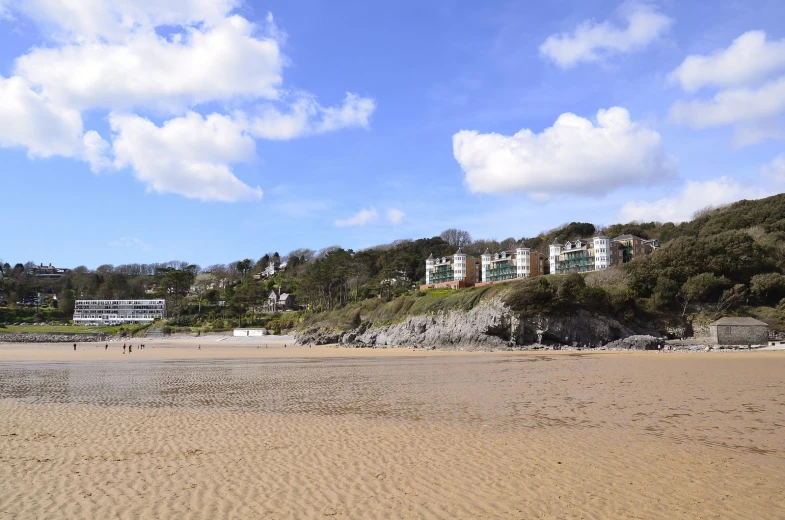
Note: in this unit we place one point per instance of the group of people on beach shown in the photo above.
(129, 346)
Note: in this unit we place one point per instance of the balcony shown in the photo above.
(499, 271)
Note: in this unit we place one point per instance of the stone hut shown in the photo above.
(739, 331)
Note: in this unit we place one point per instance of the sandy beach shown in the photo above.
(236, 431)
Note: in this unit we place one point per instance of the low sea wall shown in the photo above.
(49, 337)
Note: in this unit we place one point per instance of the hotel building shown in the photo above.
(117, 312)
(453, 272)
(520, 262)
(584, 255)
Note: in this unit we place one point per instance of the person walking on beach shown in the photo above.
(200, 347)
(74, 346)
(129, 348)
(106, 347)
(123, 348)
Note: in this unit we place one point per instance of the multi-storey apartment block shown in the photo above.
(520, 262)
(583, 255)
(455, 272)
(630, 247)
(117, 312)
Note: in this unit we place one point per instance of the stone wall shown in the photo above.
(740, 334)
(49, 337)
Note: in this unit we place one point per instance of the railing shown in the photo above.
(505, 271)
(442, 274)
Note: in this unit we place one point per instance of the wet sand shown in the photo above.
(240, 432)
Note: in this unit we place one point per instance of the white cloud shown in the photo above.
(306, 116)
(189, 155)
(747, 98)
(751, 108)
(109, 56)
(750, 58)
(206, 64)
(355, 111)
(112, 19)
(775, 169)
(572, 156)
(131, 242)
(30, 120)
(361, 218)
(591, 41)
(395, 216)
(695, 196)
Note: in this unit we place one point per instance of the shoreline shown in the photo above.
(190, 349)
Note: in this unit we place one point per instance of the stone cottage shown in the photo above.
(739, 331)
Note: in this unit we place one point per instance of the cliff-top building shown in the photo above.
(584, 255)
(517, 263)
(453, 272)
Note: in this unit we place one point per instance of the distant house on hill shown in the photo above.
(280, 301)
(739, 331)
(47, 271)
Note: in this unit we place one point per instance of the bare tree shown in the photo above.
(456, 237)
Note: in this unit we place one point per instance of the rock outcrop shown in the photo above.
(490, 325)
(637, 342)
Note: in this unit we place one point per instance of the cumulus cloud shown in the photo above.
(592, 41)
(748, 93)
(748, 59)
(696, 195)
(32, 121)
(306, 116)
(572, 156)
(112, 56)
(189, 156)
(361, 218)
(45, 128)
(775, 169)
(113, 19)
(205, 64)
(733, 106)
(395, 216)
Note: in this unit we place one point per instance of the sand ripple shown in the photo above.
(497, 436)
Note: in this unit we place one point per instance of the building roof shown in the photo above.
(430, 257)
(487, 251)
(628, 237)
(459, 251)
(749, 322)
(555, 242)
(600, 234)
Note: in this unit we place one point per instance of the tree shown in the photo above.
(768, 288)
(665, 292)
(701, 288)
(456, 237)
(202, 283)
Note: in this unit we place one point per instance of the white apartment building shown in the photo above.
(117, 312)
(521, 262)
(455, 272)
(583, 255)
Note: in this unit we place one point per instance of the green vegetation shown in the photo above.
(728, 260)
(129, 330)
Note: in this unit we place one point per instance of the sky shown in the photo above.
(140, 131)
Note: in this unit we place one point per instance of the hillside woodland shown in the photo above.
(725, 261)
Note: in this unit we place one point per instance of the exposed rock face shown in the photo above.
(49, 337)
(638, 342)
(490, 325)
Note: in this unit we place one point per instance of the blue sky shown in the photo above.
(214, 130)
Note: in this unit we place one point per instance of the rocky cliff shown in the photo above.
(489, 325)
